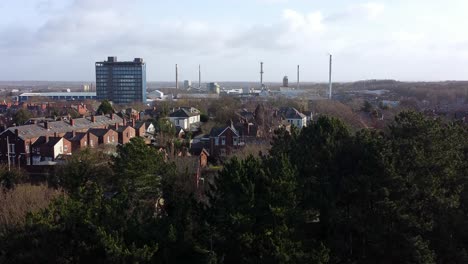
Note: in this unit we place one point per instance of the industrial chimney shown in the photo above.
(298, 70)
(176, 77)
(261, 74)
(199, 76)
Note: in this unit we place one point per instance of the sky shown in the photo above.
(408, 40)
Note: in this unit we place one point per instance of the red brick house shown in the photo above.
(82, 140)
(125, 133)
(104, 136)
(49, 148)
(54, 147)
(140, 128)
(224, 140)
(16, 142)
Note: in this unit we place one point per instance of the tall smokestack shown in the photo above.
(261, 74)
(298, 70)
(199, 76)
(176, 77)
(330, 79)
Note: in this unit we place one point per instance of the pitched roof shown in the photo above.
(216, 132)
(53, 141)
(77, 137)
(183, 113)
(139, 124)
(291, 113)
(39, 142)
(37, 130)
(99, 132)
(121, 129)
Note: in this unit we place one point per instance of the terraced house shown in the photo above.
(16, 143)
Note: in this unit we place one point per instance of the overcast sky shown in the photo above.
(393, 39)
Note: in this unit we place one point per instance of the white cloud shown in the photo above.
(311, 22)
(373, 9)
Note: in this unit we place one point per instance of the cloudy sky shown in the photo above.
(386, 39)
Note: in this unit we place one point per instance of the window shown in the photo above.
(113, 139)
(91, 143)
(234, 141)
(216, 141)
(65, 148)
(223, 141)
(298, 123)
(85, 143)
(108, 139)
(27, 148)
(11, 148)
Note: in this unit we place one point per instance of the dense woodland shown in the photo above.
(320, 195)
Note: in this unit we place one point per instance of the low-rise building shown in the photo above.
(185, 118)
(224, 140)
(105, 136)
(293, 116)
(125, 133)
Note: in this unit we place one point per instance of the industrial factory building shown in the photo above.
(68, 96)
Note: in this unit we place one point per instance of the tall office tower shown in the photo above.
(121, 82)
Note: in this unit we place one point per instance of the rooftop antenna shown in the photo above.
(330, 78)
(261, 74)
(298, 70)
(199, 76)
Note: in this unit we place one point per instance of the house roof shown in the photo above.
(139, 124)
(77, 137)
(183, 113)
(291, 113)
(121, 129)
(179, 130)
(248, 116)
(216, 132)
(53, 141)
(37, 130)
(99, 132)
(39, 142)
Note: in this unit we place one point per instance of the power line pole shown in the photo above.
(8, 152)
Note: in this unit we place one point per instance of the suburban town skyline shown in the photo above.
(60, 40)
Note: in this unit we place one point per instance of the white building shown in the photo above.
(185, 117)
(294, 117)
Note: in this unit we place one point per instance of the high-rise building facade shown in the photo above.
(121, 82)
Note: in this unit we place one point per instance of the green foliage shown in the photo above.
(204, 118)
(253, 211)
(165, 127)
(9, 178)
(105, 108)
(367, 107)
(322, 195)
(21, 116)
(139, 169)
(84, 167)
(400, 186)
